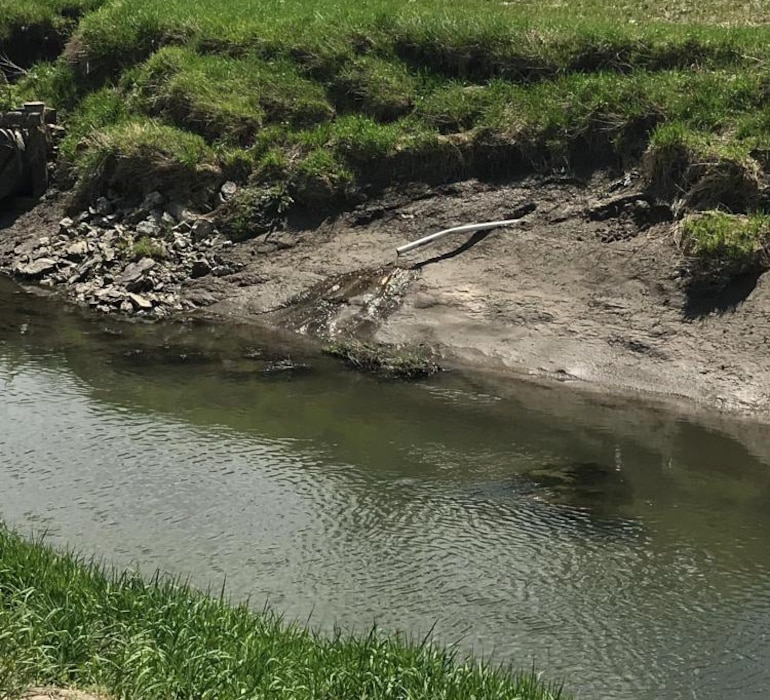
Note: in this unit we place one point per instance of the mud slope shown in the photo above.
(588, 289)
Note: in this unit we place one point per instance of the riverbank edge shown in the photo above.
(74, 623)
(337, 281)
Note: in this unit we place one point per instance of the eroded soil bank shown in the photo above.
(588, 288)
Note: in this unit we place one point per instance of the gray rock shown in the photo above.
(202, 229)
(180, 212)
(103, 206)
(140, 302)
(135, 271)
(85, 270)
(37, 268)
(110, 295)
(134, 217)
(153, 200)
(83, 217)
(83, 229)
(143, 284)
(227, 192)
(148, 228)
(77, 250)
(200, 268)
(24, 249)
(181, 242)
(126, 306)
(108, 252)
(167, 220)
(199, 297)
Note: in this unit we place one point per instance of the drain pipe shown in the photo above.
(467, 228)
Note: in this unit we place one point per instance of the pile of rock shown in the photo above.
(133, 260)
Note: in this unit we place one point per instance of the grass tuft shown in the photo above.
(147, 248)
(256, 209)
(141, 156)
(720, 246)
(228, 99)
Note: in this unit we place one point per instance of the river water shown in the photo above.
(614, 545)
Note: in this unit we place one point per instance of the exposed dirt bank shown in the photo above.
(587, 289)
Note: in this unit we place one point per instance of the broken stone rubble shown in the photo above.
(129, 260)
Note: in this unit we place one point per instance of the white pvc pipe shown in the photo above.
(467, 228)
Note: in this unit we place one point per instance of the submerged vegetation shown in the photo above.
(326, 102)
(383, 360)
(68, 623)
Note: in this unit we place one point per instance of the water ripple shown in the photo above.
(653, 585)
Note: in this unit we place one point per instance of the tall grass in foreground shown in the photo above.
(66, 622)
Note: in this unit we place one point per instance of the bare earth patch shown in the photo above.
(588, 289)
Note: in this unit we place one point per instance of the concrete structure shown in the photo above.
(25, 145)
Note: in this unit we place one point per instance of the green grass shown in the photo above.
(66, 622)
(147, 248)
(52, 14)
(228, 99)
(721, 246)
(329, 99)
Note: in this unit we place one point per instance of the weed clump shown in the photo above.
(719, 247)
(148, 248)
(255, 210)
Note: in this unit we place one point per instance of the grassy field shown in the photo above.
(321, 103)
(67, 623)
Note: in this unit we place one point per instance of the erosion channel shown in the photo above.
(616, 545)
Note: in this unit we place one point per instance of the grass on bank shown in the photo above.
(721, 246)
(17, 13)
(327, 102)
(65, 622)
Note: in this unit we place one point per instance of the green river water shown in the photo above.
(618, 546)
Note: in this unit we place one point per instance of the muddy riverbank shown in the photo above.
(589, 288)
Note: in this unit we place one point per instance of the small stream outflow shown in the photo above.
(25, 146)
